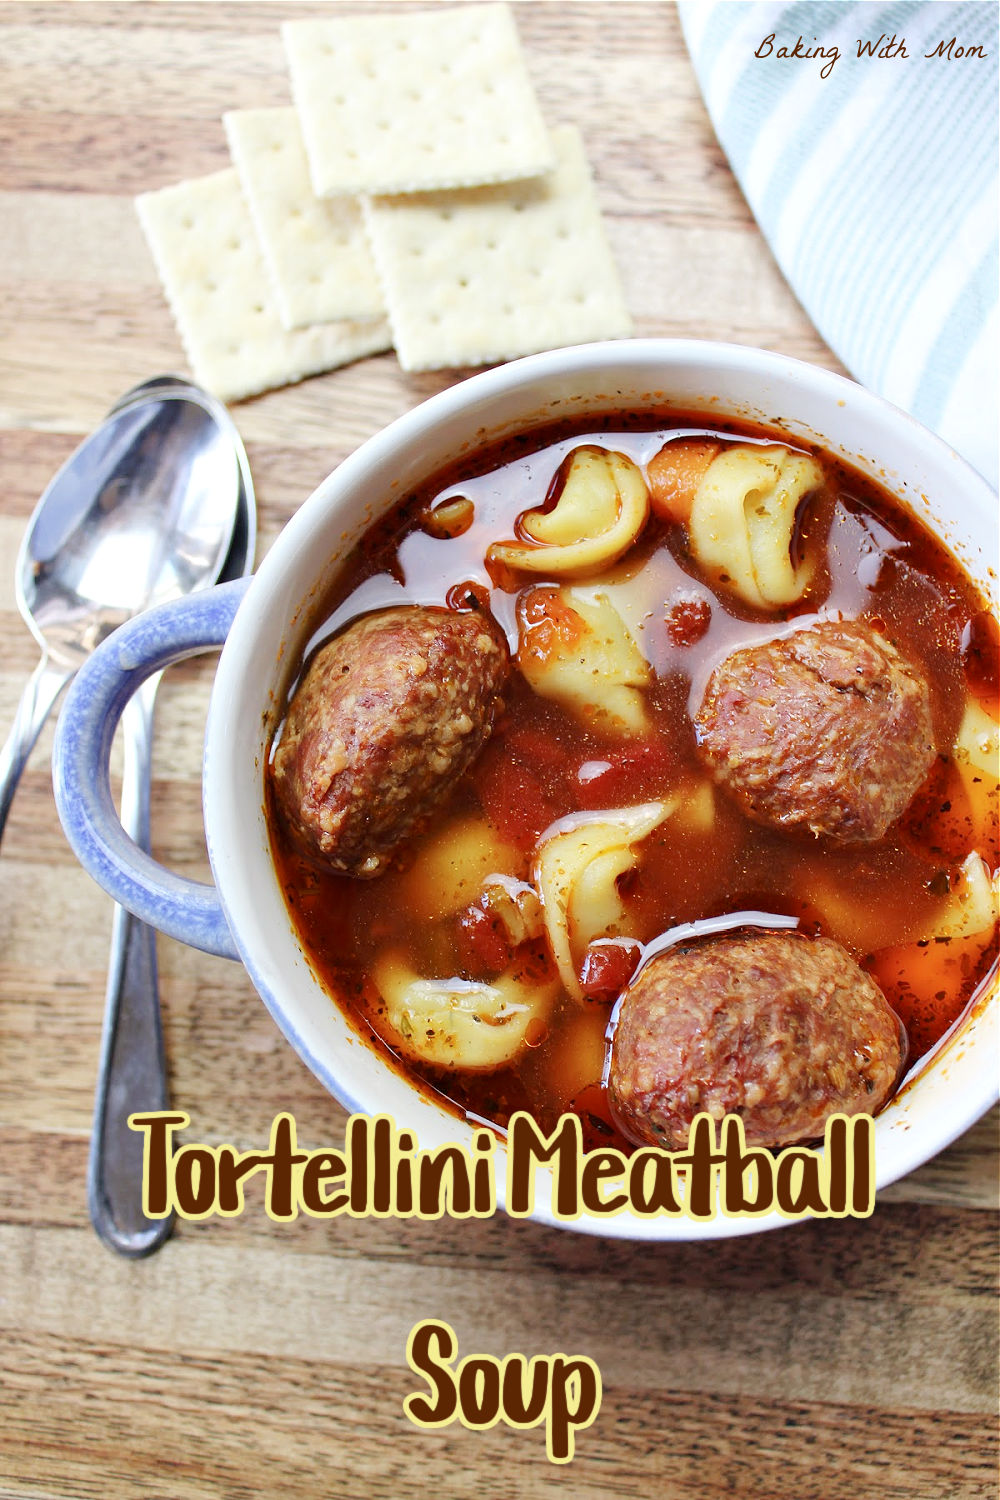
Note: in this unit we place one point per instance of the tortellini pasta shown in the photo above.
(976, 759)
(972, 902)
(578, 651)
(449, 519)
(696, 809)
(867, 926)
(977, 746)
(600, 511)
(743, 522)
(460, 1023)
(515, 906)
(576, 871)
(452, 867)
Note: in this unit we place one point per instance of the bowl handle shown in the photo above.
(185, 909)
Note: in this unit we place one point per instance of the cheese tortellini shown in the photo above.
(977, 746)
(453, 866)
(600, 511)
(461, 1023)
(578, 651)
(971, 906)
(576, 872)
(743, 520)
(976, 756)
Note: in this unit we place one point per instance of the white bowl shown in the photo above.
(948, 1090)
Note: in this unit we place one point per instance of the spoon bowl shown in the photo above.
(239, 558)
(141, 512)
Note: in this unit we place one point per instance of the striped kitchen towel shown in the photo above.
(864, 137)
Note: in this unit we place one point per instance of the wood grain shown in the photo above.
(251, 1359)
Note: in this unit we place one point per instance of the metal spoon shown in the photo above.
(132, 1074)
(144, 507)
(156, 503)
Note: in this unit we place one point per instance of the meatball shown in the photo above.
(828, 729)
(387, 717)
(778, 1028)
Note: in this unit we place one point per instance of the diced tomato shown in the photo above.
(469, 594)
(514, 797)
(641, 768)
(596, 1120)
(608, 965)
(483, 945)
(522, 779)
(548, 624)
(536, 746)
(688, 620)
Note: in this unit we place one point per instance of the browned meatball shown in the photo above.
(388, 715)
(778, 1028)
(828, 729)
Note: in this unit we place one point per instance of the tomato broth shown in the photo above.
(890, 903)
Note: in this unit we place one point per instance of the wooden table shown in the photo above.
(250, 1359)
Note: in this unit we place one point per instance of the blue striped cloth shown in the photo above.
(874, 180)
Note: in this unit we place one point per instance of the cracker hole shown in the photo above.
(187, 223)
(232, 244)
(258, 307)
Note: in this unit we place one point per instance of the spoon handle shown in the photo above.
(132, 1076)
(40, 693)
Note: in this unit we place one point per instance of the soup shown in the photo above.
(582, 830)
